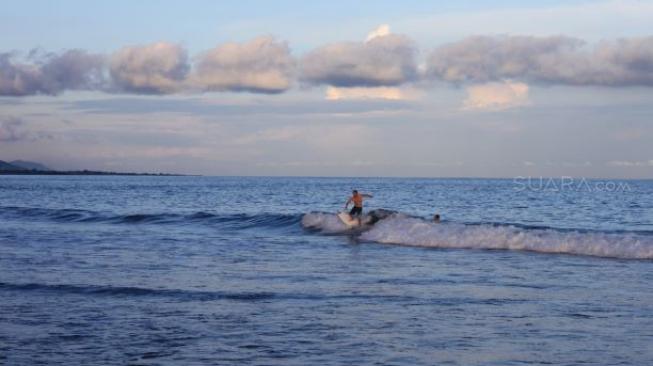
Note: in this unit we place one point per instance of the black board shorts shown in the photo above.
(356, 211)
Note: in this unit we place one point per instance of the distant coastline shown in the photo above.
(79, 172)
(21, 167)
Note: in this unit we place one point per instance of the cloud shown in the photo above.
(11, 129)
(320, 136)
(496, 96)
(622, 62)
(159, 68)
(630, 134)
(50, 73)
(233, 109)
(262, 65)
(551, 60)
(381, 92)
(282, 134)
(629, 164)
(383, 60)
(380, 31)
(487, 58)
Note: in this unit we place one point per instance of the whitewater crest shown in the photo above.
(329, 223)
(405, 230)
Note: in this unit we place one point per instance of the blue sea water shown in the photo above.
(259, 271)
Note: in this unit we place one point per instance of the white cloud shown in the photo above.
(381, 92)
(383, 60)
(381, 31)
(159, 68)
(261, 65)
(496, 96)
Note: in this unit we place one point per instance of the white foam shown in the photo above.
(418, 232)
(326, 222)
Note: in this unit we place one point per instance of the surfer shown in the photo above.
(357, 199)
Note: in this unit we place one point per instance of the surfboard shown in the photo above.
(348, 220)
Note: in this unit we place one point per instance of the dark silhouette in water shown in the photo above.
(378, 215)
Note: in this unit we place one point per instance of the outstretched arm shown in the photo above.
(348, 202)
(367, 195)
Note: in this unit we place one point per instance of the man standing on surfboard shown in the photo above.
(357, 199)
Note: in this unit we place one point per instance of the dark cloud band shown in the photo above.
(265, 65)
(50, 74)
(553, 60)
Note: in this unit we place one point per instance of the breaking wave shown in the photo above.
(404, 230)
(390, 228)
(327, 223)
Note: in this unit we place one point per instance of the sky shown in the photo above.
(296, 88)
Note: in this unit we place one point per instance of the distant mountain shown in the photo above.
(4, 166)
(21, 167)
(30, 165)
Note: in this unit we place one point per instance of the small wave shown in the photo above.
(189, 295)
(560, 229)
(181, 295)
(243, 221)
(53, 214)
(419, 232)
(235, 221)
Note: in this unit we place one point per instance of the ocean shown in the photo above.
(143, 270)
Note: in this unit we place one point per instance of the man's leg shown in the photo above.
(359, 213)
